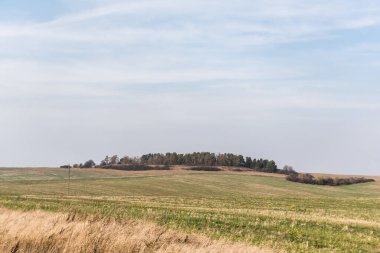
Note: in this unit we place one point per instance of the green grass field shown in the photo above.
(244, 207)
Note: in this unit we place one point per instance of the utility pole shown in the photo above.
(68, 185)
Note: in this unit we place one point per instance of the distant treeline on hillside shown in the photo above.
(206, 161)
(191, 159)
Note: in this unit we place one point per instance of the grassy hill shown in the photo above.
(246, 207)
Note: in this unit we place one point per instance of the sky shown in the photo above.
(295, 81)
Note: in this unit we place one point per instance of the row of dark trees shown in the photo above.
(191, 159)
(310, 179)
(203, 159)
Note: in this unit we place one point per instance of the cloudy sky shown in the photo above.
(291, 80)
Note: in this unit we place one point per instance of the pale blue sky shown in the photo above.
(290, 80)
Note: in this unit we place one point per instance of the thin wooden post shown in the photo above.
(68, 185)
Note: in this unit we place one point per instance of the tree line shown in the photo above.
(209, 159)
(191, 159)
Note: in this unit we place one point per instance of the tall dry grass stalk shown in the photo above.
(37, 231)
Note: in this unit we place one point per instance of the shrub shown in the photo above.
(310, 179)
(88, 164)
(136, 167)
(206, 168)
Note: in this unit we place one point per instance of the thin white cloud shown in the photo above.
(286, 18)
(189, 64)
(365, 48)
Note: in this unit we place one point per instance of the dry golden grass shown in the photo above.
(38, 231)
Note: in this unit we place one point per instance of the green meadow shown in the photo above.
(252, 208)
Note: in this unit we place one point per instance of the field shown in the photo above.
(239, 211)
